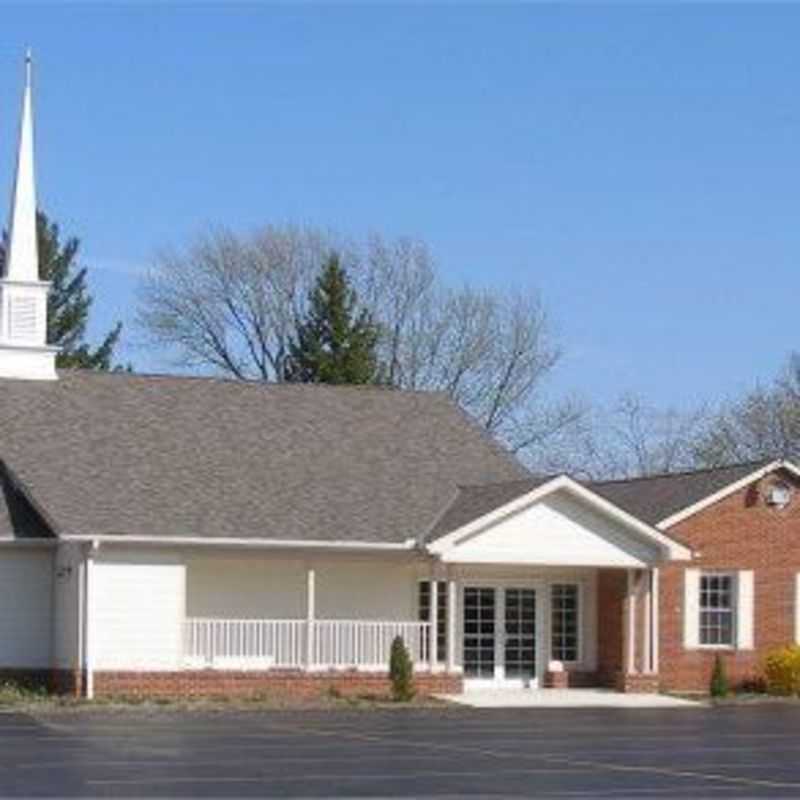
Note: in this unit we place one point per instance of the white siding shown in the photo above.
(745, 599)
(26, 583)
(66, 613)
(270, 586)
(137, 611)
(691, 608)
(365, 589)
(245, 587)
(559, 530)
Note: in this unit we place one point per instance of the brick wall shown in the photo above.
(739, 532)
(611, 590)
(300, 685)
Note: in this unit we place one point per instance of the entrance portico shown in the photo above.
(527, 579)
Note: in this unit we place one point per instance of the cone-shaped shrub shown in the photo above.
(719, 679)
(401, 672)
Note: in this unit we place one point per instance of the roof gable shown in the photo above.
(554, 520)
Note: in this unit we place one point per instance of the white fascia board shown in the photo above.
(277, 544)
(728, 490)
(674, 550)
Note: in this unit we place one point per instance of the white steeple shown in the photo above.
(23, 258)
(23, 297)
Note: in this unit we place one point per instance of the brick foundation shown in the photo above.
(296, 684)
(556, 680)
(636, 683)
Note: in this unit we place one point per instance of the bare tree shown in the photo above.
(231, 303)
(763, 424)
(634, 439)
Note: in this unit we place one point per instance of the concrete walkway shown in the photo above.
(564, 698)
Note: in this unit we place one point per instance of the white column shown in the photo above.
(631, 637)
(647, 614)
(310, 614)
(452, 616)
(655, 612)
(433, 620)
(88, 632)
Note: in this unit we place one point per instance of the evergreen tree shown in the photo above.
(336, 341)
(69, 301)
(401, 672)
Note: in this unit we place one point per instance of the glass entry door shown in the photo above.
(519, 646)
(499, 635)
(479, 632)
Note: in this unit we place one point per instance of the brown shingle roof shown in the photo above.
(651, 499)
(472, 502)
(163, 456)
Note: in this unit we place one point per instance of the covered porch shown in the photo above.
(497, 626)
(554, 588)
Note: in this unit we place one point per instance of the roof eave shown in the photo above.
(726, 491)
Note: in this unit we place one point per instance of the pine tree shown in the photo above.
(336, 341)
(69, 301)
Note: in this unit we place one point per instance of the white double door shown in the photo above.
(500, 635)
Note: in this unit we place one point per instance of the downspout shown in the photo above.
(88, 605)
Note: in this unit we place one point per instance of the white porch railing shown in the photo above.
(358, 643)
(284, 643)
(257, 643)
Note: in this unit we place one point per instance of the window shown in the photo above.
(424, 605)
(564, 622)
(717, 610)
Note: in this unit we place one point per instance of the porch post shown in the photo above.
(310, 613)
(452, 615)
(433, 621)
(630, 639)
(654, 610)
(647, 640)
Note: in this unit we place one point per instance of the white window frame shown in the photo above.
(734, 609)
(578, 621)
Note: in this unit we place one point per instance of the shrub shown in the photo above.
(14, 693)
(401, 672)
(782, 670)
(719, 678)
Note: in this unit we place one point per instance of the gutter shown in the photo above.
(409, 545)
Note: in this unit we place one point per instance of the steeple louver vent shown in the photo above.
(22, 319)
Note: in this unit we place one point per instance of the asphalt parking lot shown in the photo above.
(739, 752)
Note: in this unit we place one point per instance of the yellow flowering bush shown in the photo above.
(782, 670)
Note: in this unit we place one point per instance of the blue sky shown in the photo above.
(640, 165)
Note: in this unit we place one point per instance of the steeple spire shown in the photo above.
(22, 262)
(24, 352)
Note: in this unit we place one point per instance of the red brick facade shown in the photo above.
(297, 684)
(739, 532)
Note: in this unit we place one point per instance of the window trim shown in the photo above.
(579, 611)
(734, 610)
